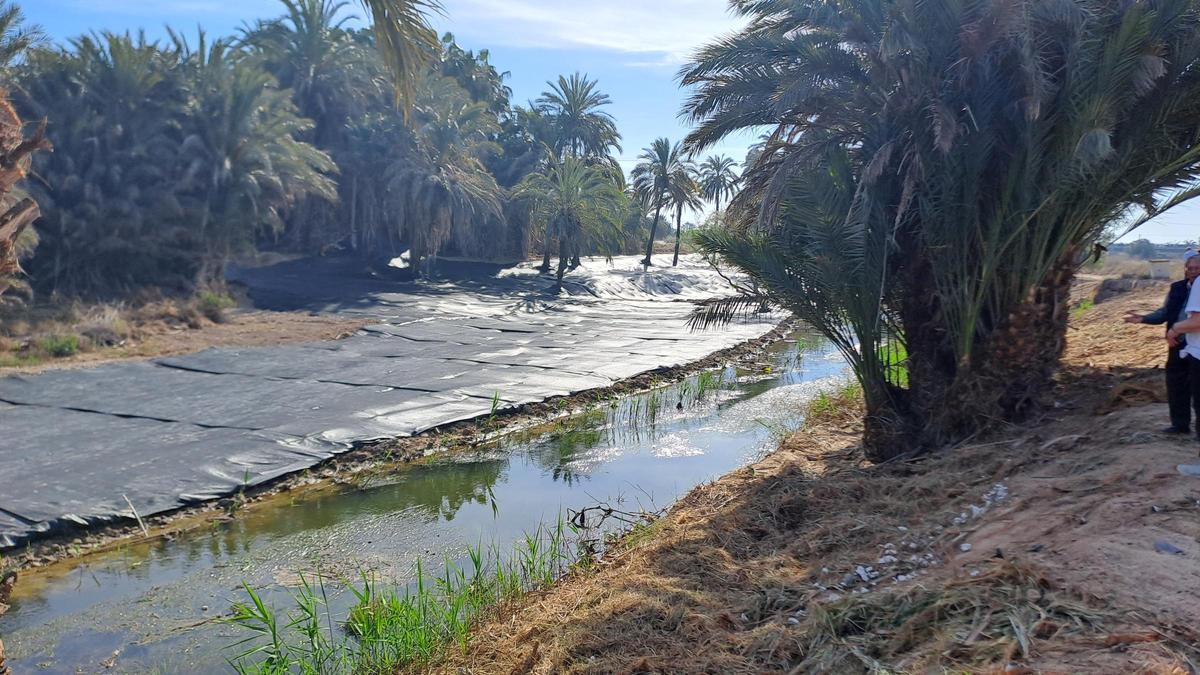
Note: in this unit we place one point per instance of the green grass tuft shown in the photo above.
(392, 628)
(213, 305)
(58, 346)
(1082, 308)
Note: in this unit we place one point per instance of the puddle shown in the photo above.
(156, 604)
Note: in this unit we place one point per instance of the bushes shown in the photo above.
(213, 305)
(58, 346)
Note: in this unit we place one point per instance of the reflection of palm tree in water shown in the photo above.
(561, 449)
(440, 490)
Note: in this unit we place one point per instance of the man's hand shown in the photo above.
(1133, 317)
(1173, 338)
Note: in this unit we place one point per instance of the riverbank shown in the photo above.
(1066, 545)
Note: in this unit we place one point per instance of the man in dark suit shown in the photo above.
(1179, 389)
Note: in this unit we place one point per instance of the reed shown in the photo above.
(391, 627)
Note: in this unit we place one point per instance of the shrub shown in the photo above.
(213, 305)
(59, 346)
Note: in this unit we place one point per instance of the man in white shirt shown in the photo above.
(1189, 329)
(1178, 369)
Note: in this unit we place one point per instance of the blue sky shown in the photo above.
(633, 47)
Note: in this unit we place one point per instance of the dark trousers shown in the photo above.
(1183, 389)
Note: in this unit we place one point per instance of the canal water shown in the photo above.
(155, 607)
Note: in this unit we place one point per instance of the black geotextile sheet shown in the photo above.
(75, 444)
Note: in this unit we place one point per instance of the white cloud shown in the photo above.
(175, 9)
(663, 33)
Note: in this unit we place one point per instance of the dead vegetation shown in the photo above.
(1119, 265)
(1039, 550)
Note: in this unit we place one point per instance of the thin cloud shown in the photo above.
(174, 9)
(665, 32)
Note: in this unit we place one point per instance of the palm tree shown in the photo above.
(578, 204)
(108, 195)
(935, 172)
(717, 179)
(582, 129)
(661, 170)
(683, 192)
(335, 81)
(17, 211)
(441, 185)
(245, 165)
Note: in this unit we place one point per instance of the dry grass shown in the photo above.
(968, 624)
(35, 337)
(1119, 265)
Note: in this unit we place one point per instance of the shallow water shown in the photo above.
(156, 603)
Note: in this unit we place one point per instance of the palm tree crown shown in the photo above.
(582, 129)
(718, 180)
(578, 203)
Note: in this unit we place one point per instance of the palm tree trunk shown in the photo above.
(678, 234)
(563, 257)
(1007, 377)
(354, 243)
(717, 208)
(545, 266)
(653, 231)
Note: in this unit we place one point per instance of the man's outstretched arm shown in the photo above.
(1157, 317)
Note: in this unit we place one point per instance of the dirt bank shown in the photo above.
(1069, 544)
(37, 339)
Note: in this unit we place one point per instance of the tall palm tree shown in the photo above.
(335, 81)
(717, 179)
(442, 185)
(935, 172)
(662, 166)
(582, 129)
(683, 192)
(245, 165)
(579, 205)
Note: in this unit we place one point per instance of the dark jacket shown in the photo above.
(1177, 297)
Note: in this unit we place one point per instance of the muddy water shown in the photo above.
(153, 607)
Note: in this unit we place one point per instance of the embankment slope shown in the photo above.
(1069, 544)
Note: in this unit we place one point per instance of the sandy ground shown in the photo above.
(1068, 545)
